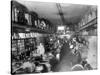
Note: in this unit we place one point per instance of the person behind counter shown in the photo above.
(40, 49)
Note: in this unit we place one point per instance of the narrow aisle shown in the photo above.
(67, 59)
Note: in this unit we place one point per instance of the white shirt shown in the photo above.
(40, 49)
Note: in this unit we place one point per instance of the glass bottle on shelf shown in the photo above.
(16, 14)
(34, 19)
(90, 16)
(21, 18)
(12, 12)
(28, 18)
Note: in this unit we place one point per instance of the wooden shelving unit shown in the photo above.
(46, 31)
(89, 24)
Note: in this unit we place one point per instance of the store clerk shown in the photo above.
(40, 49)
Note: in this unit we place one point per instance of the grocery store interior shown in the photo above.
(52, 37)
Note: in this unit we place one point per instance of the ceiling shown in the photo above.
(72, 12)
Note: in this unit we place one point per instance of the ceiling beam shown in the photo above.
(61, 13)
